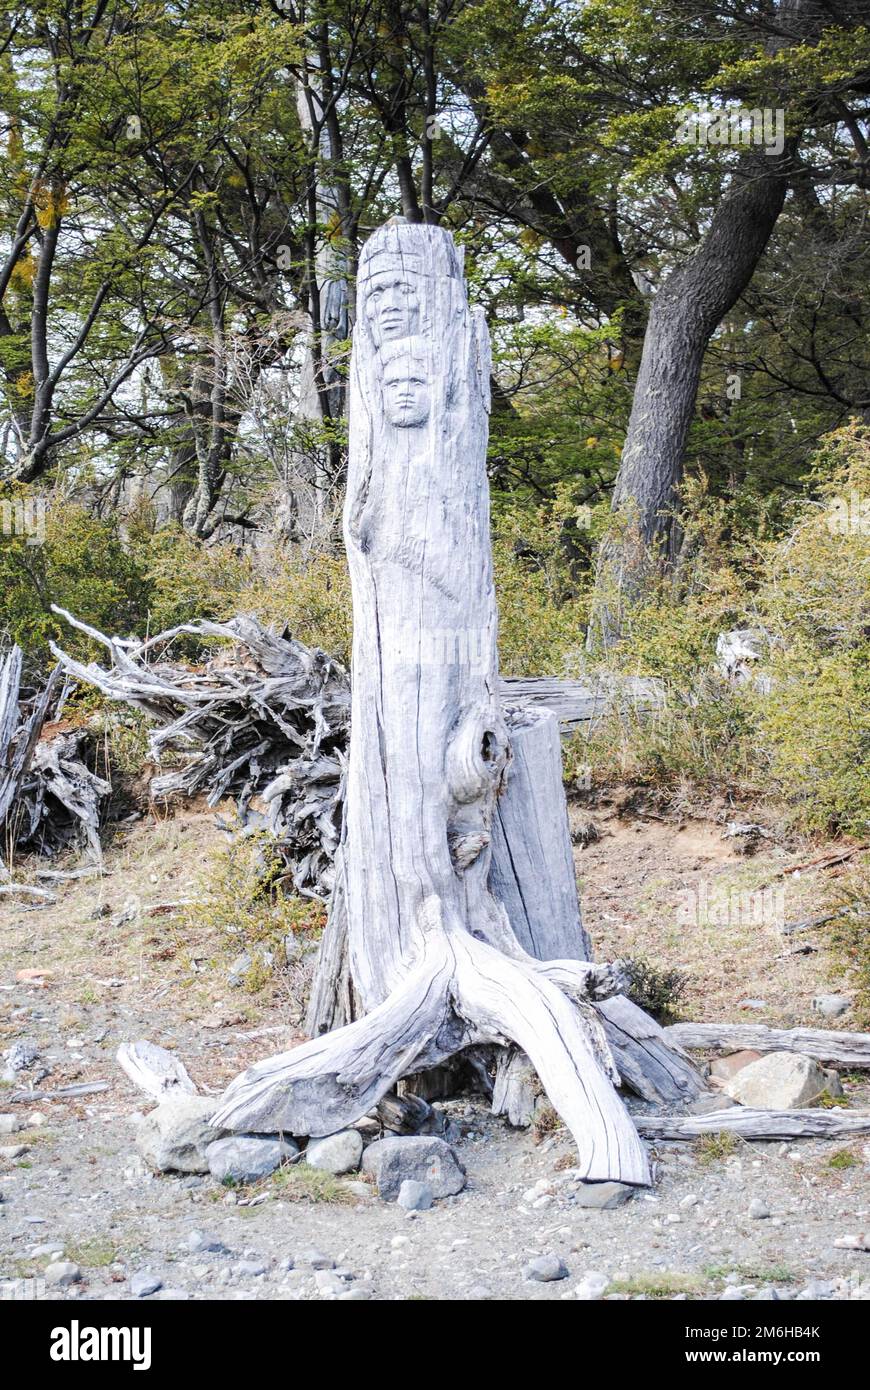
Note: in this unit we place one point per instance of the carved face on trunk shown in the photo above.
(407, 384)
(392, 306)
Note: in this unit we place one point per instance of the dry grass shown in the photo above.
(104, 929)
(675, 893)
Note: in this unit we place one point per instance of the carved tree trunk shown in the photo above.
(432, 953)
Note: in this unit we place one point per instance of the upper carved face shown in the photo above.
(407, 388)
(392, 306)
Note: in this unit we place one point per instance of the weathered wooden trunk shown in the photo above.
(434, 958)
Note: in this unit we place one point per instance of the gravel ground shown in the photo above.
(77, 1192)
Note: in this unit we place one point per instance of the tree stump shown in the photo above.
(432, 953)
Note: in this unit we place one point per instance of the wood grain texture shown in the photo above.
(756, 1124)
(826, 1045)
(430, 948)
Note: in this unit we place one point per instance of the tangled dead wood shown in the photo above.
(49, 797)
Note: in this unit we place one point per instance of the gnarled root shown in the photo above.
(465, 992)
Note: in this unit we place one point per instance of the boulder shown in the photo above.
(247, 1157)
(336, 1153)
(421, 1159)
(779, 1081)
(175, 1136)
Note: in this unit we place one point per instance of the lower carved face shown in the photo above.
(407, 394)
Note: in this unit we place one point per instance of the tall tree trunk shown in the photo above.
(685, 313)
(432, 953)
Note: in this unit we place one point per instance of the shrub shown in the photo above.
(655, 990)
(81, 564)
(240, 897)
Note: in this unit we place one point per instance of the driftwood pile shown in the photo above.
(49, 797)
(264, 718)
(267, 720)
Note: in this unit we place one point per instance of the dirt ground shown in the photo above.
(121, 970)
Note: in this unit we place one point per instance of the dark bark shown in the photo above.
(685, 313)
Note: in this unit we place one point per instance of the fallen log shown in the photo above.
(838, 1049)
(579, 702)
(432, 954)
(756, 1124)
(81, 1088)
(27, 890)
(154, 1070)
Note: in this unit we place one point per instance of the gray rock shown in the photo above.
(315, 1259)
(62, 1273)
(732, 1295)
(175, 1136)
(247, 1157)
(20, 1056)
(779, 1081)
(603, 1195)
(9, 1124)
(355, 1295)
(252, 1268)
(543, 1269)
(417, 1159)
(758, 1210)
(831, 1005)
(414, 1196)
(201, 1243)
(141, 1285)
(336, 1153)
